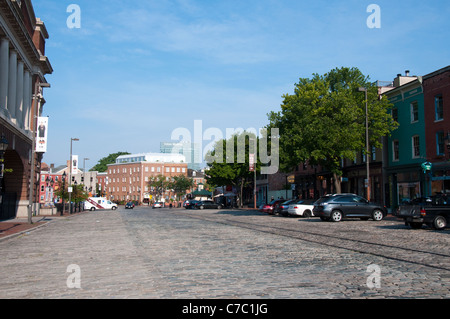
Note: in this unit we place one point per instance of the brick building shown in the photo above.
(436, 90)
(23, 66)
(128, 178)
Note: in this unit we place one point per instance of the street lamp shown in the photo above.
(36, 106)
(70, 173)
(363, 89)
(63, 188)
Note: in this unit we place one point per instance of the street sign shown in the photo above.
(291, 179)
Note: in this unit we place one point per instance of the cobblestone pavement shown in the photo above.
(177, 253)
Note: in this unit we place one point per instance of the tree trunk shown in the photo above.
(337, 183)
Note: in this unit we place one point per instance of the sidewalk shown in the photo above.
(17, 226)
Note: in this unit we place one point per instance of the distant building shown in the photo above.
(187, 149)
(128, 178)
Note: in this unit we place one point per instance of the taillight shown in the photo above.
(423, 212)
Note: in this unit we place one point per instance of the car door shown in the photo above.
(345, 204)
(361, 207)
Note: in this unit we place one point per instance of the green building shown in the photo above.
(405, 148)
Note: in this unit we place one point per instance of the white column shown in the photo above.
(12, 83)
(4, 72)
(27, 99)
(19, 94)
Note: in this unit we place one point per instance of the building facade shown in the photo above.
(406, 145)
(23, 66)
(436, 87)
(128, 178)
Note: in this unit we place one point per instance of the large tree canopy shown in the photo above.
(102, 164)
(324, 120)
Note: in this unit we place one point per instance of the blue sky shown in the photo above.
(137, 70)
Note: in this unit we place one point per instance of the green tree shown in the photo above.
(181, 183)
(102, 164)
(158, 185)
(78, 193)
(229, 162)
(323, 122)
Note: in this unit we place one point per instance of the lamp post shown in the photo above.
(363, 89)
(63, 188)
(70, 174)
(36, 106)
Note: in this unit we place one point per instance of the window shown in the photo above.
(415, 146)
(440, 143)
(439, 107)
(395, 114)
(395, 150)
(414, 112)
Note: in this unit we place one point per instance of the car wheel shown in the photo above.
(307, 213)
(439, 223)
(336, 216)
(92, 208)
(114, 208)
(377, 215)
(201, 207)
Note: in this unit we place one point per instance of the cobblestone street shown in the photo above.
(177, 253)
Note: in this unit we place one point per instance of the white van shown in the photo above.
(93, 203)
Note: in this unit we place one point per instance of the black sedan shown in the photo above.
(207, 204)
(129, 205)
(190, 203)
(338, 206)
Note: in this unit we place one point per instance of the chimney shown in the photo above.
(407, 73)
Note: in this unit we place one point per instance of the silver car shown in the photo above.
(303, 207)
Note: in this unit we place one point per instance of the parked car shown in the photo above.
(303, 207)
(282, 209)
(207, 204)
(338, 206)
(129, 205)
(433, 211)
(189, 204)
(158, 205)
(272, 206)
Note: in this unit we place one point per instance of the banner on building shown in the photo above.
(74, 164)
(41, 135)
